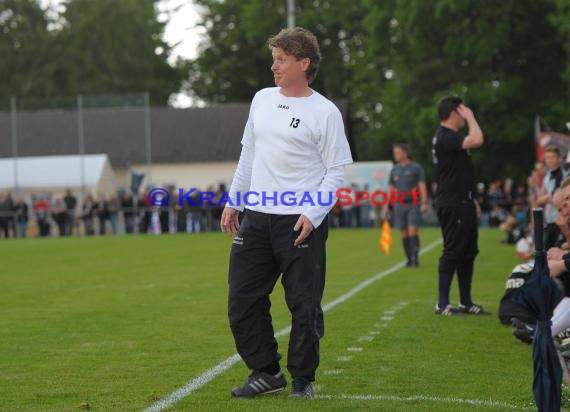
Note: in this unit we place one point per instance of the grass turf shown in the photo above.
(116, 323)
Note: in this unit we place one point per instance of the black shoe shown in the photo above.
(472, 309)
(447, 311)
(523, 331)
(260, 383)
(415, 261)
(301, 388)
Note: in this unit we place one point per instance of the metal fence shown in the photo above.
(75, 126)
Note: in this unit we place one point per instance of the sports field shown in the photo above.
(119, 323)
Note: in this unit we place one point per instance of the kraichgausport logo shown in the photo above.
(343, 197)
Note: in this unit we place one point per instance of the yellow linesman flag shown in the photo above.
(385, 237)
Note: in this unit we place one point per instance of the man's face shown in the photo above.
(564, 210)
(399, 154)
(458, 120)
(539, 167)
(552, 160)
(287, 70)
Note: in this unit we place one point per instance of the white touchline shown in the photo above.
(207, 376)
(415, 398)
(333, 371)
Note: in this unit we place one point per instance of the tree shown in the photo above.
(235, 61)
(393, 60)
(118, 47)
(24, 46)
(505, 65)
(94, 47)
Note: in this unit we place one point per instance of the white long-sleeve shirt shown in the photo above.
(292, 147)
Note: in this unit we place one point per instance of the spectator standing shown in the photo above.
(552, 180)
(89, 211)
(5, 214)
(41, 209)
(22, 216)
(70, 208)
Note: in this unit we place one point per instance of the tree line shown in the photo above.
(390, 59)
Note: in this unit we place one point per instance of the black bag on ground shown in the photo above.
(507, 309)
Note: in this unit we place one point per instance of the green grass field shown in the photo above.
(118, 323)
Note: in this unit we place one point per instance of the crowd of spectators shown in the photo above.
(70, 214)
(503, 204)
(549, 189)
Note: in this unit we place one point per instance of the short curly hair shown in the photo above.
(300, 43)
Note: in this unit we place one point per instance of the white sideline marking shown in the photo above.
(415, 398)
(390, 312)
(380, 325)
(355, 349)
(333, 371)
(344, 358)
(387, 318)
(366, 338)
(374, 332)
(207, 376)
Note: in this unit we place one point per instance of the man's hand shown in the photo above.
(305, 226)
(477, 208)
(555, 253)
(465, 112)
(474, 138)
(230, 220)
(556, 267)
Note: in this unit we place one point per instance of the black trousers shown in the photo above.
(460, 230)
(262, 250)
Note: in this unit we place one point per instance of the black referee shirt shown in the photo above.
(454, 168)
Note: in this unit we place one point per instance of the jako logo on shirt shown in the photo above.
(282, 106)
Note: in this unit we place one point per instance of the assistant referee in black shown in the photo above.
(455, 203)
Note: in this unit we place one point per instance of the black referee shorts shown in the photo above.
(460, 230)
(261, 251)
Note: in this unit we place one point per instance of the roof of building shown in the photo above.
(58, 172)
(177, 135)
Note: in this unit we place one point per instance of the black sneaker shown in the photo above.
(523, 331)
(260, 383)
(447, 311)
(301, 388)
(472, 309)
(414, 261)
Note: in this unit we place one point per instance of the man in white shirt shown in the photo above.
(294, 151)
